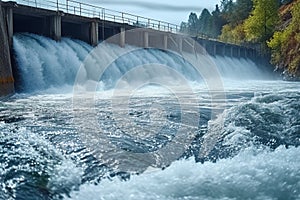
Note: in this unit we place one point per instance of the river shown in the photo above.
(163, 139)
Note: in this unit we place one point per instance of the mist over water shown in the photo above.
(249, 151)
(43, 64)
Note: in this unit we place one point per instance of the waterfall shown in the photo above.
(43, 63)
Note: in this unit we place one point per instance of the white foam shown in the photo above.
(253, 174)
(44, 63)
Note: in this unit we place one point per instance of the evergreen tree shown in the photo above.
(184, 28)
(204, 22)
(193, 24)
(285, 44)
(260, 26)
(226, 6)
(216, 23)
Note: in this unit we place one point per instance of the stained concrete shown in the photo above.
(6, 76)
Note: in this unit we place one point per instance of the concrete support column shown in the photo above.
(254, 52)
(180, 44)
(94, 37)
(10, 24)
(203, 50)
(214, 49)
(55, 27)
(146, 39)
(122, 37)
(165, 42)
(223, 50)
(231, 51)
(6, 75)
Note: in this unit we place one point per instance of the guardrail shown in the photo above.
(93, 11)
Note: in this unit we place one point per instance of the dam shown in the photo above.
(93, 24)
(100, 104)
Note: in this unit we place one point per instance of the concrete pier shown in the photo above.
(55, 27)
(122, 37)
(94, 33)
(180, 44)
(10, 24)
(146, 39)
(165, 42)
(6, 75)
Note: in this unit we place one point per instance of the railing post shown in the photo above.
(80, 9)
(67, 3)
(103, 14)
(88, 10)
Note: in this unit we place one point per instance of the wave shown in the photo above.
(252, 174)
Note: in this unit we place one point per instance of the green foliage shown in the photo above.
(261, 24)
(216, 23)
(226, 6)
(184, 28)
(193, 24)
(252, 22)
(234, 35)
(226, 35)
(276, 44)
(285, 44)
(241, 11)
(236, 12)
(204, 22)
(208, 24)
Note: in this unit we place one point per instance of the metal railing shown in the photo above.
(93, 11)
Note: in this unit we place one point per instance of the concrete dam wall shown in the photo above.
(6, 75)
(55, 24)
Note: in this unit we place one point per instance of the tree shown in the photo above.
(285, 44)
(234, 35)
(241, 11)
(216, 23)
(226, 6)
(184, 28)
(260, 26)
(203, 22)
(193, 24)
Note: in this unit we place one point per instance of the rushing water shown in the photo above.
(254, 155)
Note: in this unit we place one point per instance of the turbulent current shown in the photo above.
(57, 142)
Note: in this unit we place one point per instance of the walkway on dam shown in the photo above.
(94, 11)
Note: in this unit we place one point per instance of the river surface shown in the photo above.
(155, 144)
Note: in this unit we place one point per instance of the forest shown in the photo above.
(272, 26)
